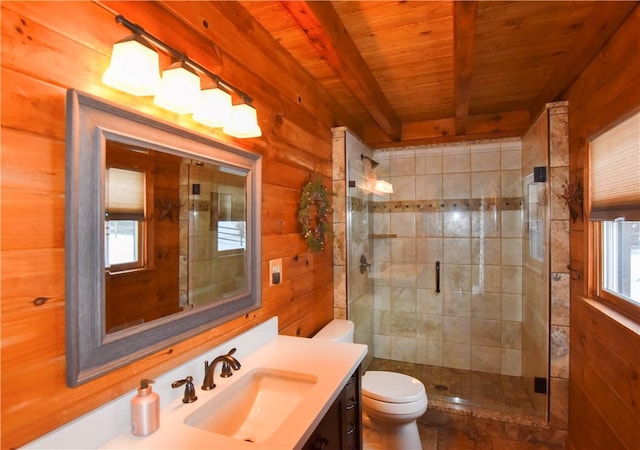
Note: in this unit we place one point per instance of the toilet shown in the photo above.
(391, 402)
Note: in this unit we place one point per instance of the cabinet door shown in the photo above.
(328, 435)
(341, 427)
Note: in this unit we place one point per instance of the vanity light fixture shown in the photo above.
(179, 88)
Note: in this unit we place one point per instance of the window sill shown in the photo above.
(129, 272)
(624, 320)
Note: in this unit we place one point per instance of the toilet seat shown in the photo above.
(392, 387)
(410, 410)
(393, 393)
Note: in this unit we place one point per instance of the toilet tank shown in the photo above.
(338, 330)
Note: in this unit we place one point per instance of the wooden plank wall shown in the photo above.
(604, 400)
(48, 47)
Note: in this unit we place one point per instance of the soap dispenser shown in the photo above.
(145, 410)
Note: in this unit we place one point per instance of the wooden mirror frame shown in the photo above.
(90, 123)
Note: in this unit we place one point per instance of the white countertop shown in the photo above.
(331, 362)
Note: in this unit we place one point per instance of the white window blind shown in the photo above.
(615, 172)
(125, 194)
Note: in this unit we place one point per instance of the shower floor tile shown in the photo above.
(502, 393)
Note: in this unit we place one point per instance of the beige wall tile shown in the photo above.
(456, 159)
(403, 349)
(457, 224)
(486, 184)
(512, 307)
(511, 335)
(403, 224)
(485, 332)
(456, 185)
(457, 303)
(403, 299)
(429, 302)
(429, 187)
(485, 359)
(404, 187)
(486, 306)
(457, 250)
(457, 356)
(456, 329)
(511, 361)
(429, 352)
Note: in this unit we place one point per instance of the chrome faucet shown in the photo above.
(228, 363)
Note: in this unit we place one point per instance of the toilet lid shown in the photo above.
(392, 387)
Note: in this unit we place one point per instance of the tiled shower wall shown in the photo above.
(460, 205)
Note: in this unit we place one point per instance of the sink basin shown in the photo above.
(253, 407)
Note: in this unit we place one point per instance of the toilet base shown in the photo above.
(382, 435)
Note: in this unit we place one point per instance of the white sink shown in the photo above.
(254, 406)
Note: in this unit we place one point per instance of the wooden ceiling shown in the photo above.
(415, 72)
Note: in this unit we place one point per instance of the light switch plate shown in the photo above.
(275, 271)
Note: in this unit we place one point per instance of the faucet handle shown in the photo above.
(189, 390)
(226, 370)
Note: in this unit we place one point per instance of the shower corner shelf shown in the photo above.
(382, 236)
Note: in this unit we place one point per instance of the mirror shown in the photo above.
(162, 235)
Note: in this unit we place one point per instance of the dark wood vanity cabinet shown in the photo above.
(341, 426)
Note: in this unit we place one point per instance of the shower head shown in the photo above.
(372, 161)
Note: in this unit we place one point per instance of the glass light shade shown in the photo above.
(134, 68)
(179, 90)
(243, 122)
(214, 108)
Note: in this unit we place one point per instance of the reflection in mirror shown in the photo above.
(162, 235)
(175, 234)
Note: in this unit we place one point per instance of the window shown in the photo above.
(621, 259)
(615, 208)
(124, 219)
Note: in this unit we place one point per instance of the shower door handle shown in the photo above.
(437, 276)
(364, 265)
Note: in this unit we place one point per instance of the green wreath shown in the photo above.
(313, 213)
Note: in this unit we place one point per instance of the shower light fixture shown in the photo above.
(134, 69)
(383, 187)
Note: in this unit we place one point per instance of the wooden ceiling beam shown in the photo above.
(594, 33)
(438, 131)
(327, 34)
(464, 16)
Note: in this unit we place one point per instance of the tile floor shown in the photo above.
(443, 437)
(454, 427)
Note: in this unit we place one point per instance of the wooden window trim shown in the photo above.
(619, 304)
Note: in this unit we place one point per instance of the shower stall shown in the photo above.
(449, 277)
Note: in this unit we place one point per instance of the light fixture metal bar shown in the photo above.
(137, 29)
